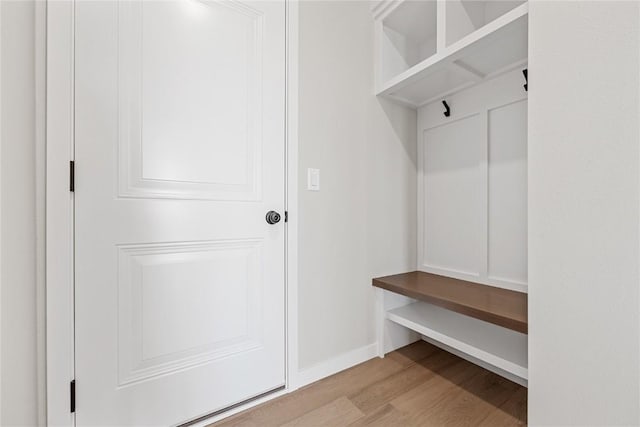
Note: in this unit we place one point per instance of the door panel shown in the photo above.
(201, 65)
(179, 149)
(164, 289)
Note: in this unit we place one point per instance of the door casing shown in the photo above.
(59, 217)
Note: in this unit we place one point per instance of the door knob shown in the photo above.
(273, 217)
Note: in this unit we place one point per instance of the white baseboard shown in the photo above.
(337, 364)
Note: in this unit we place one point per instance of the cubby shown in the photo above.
(468, 293)
(421, 59)
(466, 16)
(407, 37)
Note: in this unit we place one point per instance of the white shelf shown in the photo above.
(495, 48)
(494, 345)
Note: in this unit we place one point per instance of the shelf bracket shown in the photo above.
(448, 112)
(525, 72)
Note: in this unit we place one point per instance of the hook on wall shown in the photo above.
(448, 112)
(526, 79)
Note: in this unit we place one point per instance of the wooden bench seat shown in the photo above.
(499, 306)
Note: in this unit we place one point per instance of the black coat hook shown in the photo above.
(448, 112)
(526, 79)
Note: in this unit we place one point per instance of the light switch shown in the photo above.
(313, 179)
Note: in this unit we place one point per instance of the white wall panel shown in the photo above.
(507, 240)
(472, 185)
(453, 155)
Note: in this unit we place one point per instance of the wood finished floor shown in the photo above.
(418, 385)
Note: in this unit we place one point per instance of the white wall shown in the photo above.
(18, 379)
(584, 213)
(361, 223)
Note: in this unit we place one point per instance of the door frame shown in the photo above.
(59, 231)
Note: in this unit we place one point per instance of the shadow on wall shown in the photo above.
(403, 122)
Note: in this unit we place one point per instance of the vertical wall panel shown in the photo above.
(507, 240)
(453, 185)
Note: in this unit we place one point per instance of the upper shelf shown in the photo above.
(470, 41)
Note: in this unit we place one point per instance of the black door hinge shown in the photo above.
(286, 216)
(72, 176)
(72, 395)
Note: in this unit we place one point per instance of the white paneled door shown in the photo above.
(179, 155)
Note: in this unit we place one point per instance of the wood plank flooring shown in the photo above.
(418, 385)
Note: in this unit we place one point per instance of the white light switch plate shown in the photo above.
(313, 179)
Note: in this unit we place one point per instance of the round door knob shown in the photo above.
(273, 217)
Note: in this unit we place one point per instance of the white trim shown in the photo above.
(40, 201)
(337, 364)
(441, 25)
(292, 194)
(1, 233)
(496, 282)
(381, 317)
(59, 211)
(484, 200)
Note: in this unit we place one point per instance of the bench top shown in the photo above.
(502, 307)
